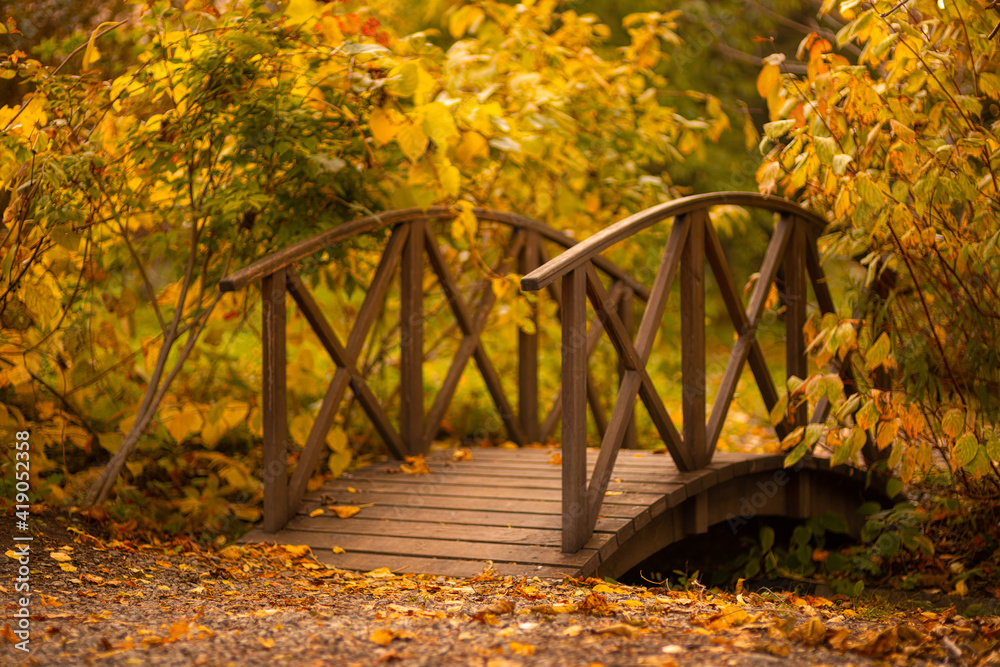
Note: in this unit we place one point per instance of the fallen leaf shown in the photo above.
(415, 465)
(555, 459)
(573, 630)
(339, 550)
(501, 607)
(295, 550)
(618, 629)
(316, 512)
(522, 649)
(381, 636)
(553, 608)
(344, 511)
(66, 567)
(266, 642)
(8, 634)
(380, 573)
(462, 454)
(59, 556)
(811, 632)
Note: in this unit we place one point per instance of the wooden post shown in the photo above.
(527, 347)
(795, 312)
(575, 532)
(626, 311)
(411, 356)
(693, 339)
(275, 415)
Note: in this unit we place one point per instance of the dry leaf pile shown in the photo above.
(119, 603)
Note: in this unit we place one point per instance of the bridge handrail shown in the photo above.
(591, 248)
(285, 257)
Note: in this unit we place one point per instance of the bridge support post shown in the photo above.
(411, 353)
(273, 407)
(693, 339)
(527, 350)
(575, 525)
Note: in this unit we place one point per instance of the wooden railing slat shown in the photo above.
(321, 327)
(622, 342)
(273, 402)
(411, 346)
(574, 406)
(747, 347)
(657, 303)
(472, 344)
(693, 338)
(527, 352)
(614, 437)
(626, 311)
(796, 293)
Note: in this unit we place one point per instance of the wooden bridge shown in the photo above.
(533, 510)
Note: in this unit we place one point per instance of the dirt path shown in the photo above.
(114, 603)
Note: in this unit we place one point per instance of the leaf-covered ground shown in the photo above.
(112, 602)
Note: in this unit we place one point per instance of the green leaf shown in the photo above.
(766, 538)
(966, 449)
(834, 522)
(887, 544)
(893, 487)
(778, 128)
(869, 508)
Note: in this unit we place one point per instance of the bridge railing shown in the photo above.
(692, 240)
(412, 251)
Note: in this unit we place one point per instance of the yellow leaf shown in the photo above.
(10, 553)
(59, 556)
(183, 422)
(338, 550)
(266, 642)
(381, 636)
(317, 512)
(384, 125)
(336, 439)
(338, 462)
(295, 550)
(768, 79)
(380, 573)
(91, 55)
(438, 123)
(299, 11)
(472, 146)
(344, 511)
(66, 567)
(412, 141)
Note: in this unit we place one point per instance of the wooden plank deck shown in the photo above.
(502, 506)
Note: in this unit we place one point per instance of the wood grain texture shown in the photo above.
(574, 410)
(273, 402)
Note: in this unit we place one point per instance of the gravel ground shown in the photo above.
(97, 602)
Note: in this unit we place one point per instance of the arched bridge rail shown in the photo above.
(598, 512)
(691, 241)
(412, 241)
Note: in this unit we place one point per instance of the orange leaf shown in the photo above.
(344, 511)
(415, 465)
(381, 636)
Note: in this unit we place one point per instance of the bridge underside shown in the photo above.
(505, 506)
